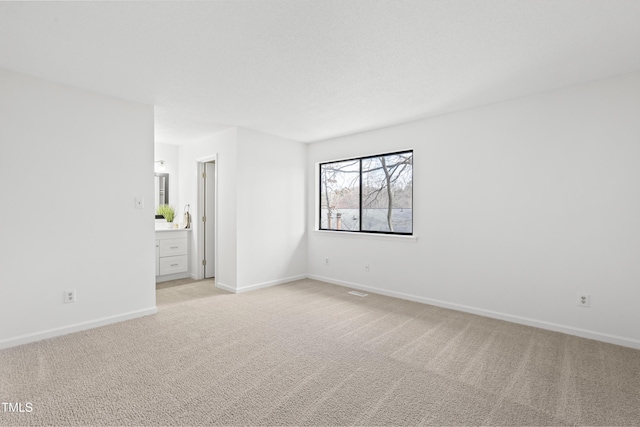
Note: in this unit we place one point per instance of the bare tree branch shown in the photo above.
(383, 161)
(368, 183)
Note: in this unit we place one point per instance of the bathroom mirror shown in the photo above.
(161, 190)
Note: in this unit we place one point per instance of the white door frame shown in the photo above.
(200, 213)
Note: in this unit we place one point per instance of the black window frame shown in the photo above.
(360, 230)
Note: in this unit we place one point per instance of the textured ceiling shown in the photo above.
(311, 70)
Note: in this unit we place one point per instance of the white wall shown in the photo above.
(519, 206)
(272, 245)
(72, 164)
(261, 212)
(224, 145)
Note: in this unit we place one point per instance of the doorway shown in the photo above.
(207, 218)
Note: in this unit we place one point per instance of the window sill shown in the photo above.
(371, 236)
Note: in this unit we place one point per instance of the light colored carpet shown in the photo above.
(180, 291)
(308, 353)
(173, 283)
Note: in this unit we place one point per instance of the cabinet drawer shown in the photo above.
(173, 264)
(171, 247)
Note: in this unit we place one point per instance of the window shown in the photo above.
(372, 194)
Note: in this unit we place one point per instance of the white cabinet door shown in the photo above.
(173, 264)
(172, 255)
(172, 247)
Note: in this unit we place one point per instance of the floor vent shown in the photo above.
(359, 294)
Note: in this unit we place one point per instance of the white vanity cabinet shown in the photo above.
(172, 254)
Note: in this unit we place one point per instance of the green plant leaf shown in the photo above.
(167, 212)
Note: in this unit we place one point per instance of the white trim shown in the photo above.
(271, 283)
(225, 287)
(199, 247)
(570, 330)
(373, 236)
(64, 330)
(205, 159)
(260, 285)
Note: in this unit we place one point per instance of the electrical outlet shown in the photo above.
(584, 300)
(326, 261)
(69, 296)
(367, 268)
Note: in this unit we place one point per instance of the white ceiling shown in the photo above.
(314, 69)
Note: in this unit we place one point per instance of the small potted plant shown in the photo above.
(168, 213)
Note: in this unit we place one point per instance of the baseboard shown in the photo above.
(64, 330)
(260, 285)
(225, 287)
(583, 333)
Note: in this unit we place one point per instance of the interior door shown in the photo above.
(209, 219)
